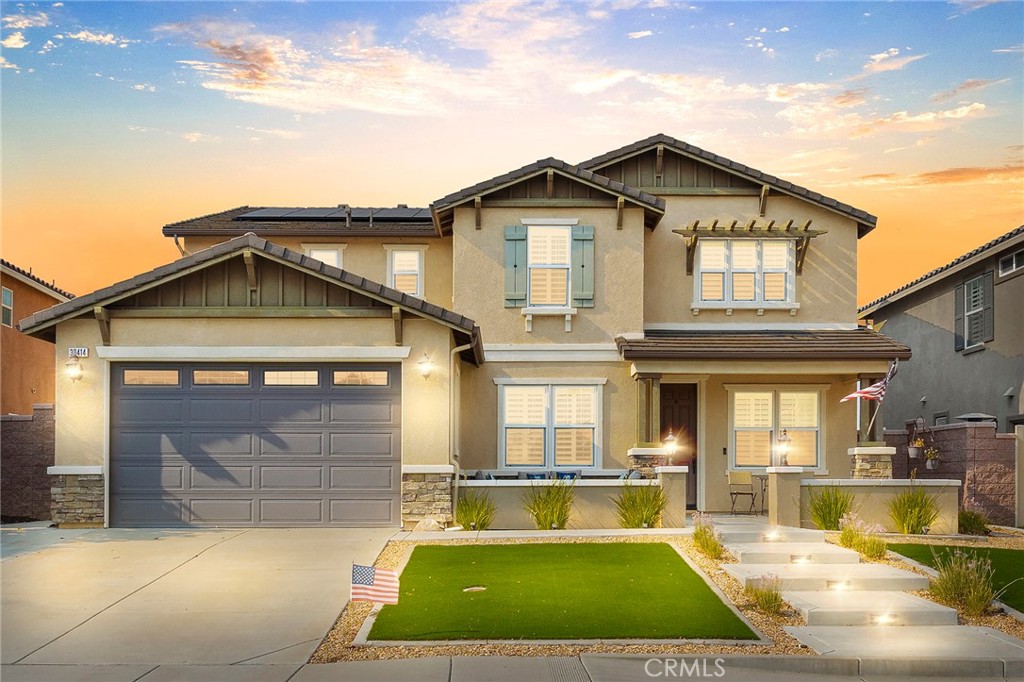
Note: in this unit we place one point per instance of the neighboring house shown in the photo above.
(338, 366)
(27, 363)
(965, 322)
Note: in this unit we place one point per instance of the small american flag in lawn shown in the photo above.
(875, 391)
(374, 584)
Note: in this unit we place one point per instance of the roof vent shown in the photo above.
(402, 206)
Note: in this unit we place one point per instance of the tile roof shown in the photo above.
(327, 222)
(38, 280)
(638, 196)
(45, 319)
(866, 221)
(824, 344)
(937, 273)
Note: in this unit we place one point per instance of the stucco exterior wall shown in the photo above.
(618, 279)
(826, 290)
(26, 364)
(82, 406)
(871, 500)
(367, 258)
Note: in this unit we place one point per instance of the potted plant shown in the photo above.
(931, 456)
(914, 449)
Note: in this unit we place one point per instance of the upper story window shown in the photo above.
(549, 266)
(1011, 263)
(326, 253)
(7, 310)
(974, 319)
(405, 268)
(745, 272)
(550, 426)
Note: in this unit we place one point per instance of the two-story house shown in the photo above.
(342, 365)
(967, 318)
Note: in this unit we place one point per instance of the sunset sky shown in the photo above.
(120, 117)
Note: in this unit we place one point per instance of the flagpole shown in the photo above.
(872, 421)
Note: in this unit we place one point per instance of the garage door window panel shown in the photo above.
(279, 377)
(151, 377)
(361, 378)
(220, 377)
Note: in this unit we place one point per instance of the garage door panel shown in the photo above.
(257, 454)
(355, 478)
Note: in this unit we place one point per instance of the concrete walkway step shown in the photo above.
(851, 607)
(803, 577)
(791, 553)
(763, 533)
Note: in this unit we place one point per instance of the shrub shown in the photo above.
(860, 536)
(475, 511)
(549, 505)
(640, 506)
(766, 592)
(913, 511)
(972, 522)
(829, 506)
(964, 582)
(706, 536)
(872, 547)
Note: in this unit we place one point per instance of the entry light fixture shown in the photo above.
(73, 367)
(425, 366)
(782, 447)
(670, 443)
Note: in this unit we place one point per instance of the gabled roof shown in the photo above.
(42, 323)
(1015, 236)
(824, 344)
(34, 281)
(649, 202)
(865, 221)
(331, 221)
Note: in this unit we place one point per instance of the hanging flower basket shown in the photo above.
(913, 452)
(932, 464)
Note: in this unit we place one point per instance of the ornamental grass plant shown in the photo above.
(475, 511)
(550, 505)
(857, 534)
(829, 506)
(706, 537)
(913, 511)
(640, 506)
(766, 592)
(964, 582)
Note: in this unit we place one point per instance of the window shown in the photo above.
(150, 377)
(291, 377)
(751, 272)
(548, 262)
(550, 426)
(360, 378)
(973, 315)
(220, 377)
(8, 308)
(1011, 263)
(762, 416)
(974, 305)
(405, 268)
(325, 253)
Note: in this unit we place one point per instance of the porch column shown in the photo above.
(784, 495)
(648, 410)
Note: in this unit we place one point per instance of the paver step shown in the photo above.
(855, 607)
(764, 533)
(805, 577)
(791, 553)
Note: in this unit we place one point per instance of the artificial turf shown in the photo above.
(1007, 565)
(554, 591)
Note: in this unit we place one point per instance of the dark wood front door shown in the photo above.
(679, 414)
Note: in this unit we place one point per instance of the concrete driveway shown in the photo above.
(264, 596)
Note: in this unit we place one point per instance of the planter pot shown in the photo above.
(932, 464)
(913, 452)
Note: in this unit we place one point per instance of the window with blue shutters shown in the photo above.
(549, 266)
(973, 313)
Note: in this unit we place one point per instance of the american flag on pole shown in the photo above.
(875, 391)
(374, 584)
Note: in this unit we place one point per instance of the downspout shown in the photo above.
(453, 423)
(181, 249)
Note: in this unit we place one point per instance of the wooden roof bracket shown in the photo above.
(250, 268)
(477, 207)
(103, 318)
(396, 315)
(620, 206)
(659, 166)
(763, 205)
(550, 191)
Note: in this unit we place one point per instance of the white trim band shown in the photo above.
(881, 482)
(871, 450)
(428, 469)
(549, 381)
(253, 353)
(549, 221)
(788, 470)
(672, 470)
(66, 470)
(646, 451)
(749, 326)
(579, 483)
(552, 352)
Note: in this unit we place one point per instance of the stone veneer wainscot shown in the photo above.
(427, 492)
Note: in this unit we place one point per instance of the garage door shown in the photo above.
(255, 445)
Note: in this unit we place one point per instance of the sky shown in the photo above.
(118, 118)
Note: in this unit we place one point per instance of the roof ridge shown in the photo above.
(36, 279)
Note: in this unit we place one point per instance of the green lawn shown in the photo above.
(1008, 565)
(554, 591)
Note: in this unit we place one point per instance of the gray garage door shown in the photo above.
(255, 445)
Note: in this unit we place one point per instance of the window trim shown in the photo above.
(979, 311)
(1014, 268)
(549, 423)
(759, 302)
(567, 303)
(420, 250)
(4, 308)
(309, 247)
(776, 389)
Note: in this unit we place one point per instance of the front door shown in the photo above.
(679, 414)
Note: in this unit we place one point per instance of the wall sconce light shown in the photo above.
(782, 447)
(1009, 392)
(425, 366)
(671, 445)
(73, 367)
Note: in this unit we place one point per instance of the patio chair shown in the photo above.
(741, 484)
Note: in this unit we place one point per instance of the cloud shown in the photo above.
(48, 46)
(826, 55)
(87, 36)
(963, 7)
(972, 175)
(14, 41)
(276, 132)
(970, 85)
(4, 64)
(20, 21)
(199, 137)
(932, 120)
(639, 34)
(923, 142)
(887, 61)
(144, 87)
(784, 29)
(1014, 49)
(850, 98)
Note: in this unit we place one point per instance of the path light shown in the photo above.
(883, 619)
(73, 367)
(782, 447)
(799, 559)
(838, 585)
(771, 536)
(425, 366)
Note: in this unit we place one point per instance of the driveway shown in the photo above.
(175, 596)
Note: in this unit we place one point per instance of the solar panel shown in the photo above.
(267, 213)
(311, 213)
(396, 213)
